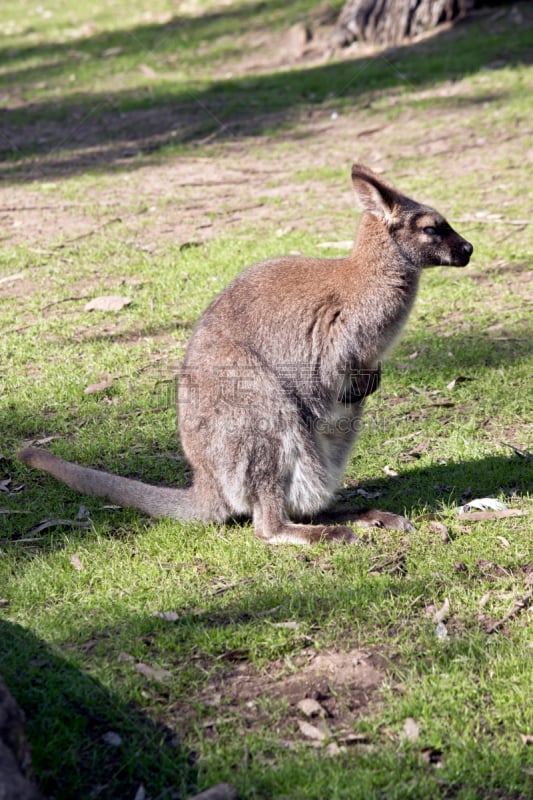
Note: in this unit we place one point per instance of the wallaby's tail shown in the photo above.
(156, 501)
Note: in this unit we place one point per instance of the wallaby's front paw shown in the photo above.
(384, 519)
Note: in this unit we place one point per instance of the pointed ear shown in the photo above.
(373, 195)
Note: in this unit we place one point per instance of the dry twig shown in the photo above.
(520, 604)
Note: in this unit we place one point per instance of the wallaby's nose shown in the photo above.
(468, 248)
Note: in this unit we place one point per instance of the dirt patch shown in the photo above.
(248, 179)
(192, 199)
(342, 686)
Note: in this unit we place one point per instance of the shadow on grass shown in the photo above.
(102, 129)
(68, 713)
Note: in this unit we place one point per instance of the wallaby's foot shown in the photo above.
(384, 519)
(272, 525)
(370, 518)
(292, 533)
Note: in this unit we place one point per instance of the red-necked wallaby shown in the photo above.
(277, 371)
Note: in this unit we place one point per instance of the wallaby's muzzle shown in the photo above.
(463, 253)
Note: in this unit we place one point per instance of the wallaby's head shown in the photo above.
(420, 233)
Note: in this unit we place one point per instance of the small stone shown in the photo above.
(333, 749)
(112, 738)
(310, 708)
(311, 731)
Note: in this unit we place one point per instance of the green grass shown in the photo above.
(70, 637)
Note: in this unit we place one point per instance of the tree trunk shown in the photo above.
(390, 21)
(15, 761)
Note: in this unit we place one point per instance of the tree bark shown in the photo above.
(15, 760)
(390, 21)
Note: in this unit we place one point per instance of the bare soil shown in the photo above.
(244, 180)
(343, 684)
(195, 199)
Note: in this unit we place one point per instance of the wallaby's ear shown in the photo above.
(373, 194)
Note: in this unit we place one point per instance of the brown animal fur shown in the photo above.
(276, 374)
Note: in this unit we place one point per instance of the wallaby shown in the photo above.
(276, 374)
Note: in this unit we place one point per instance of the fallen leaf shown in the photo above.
(485, 516)
(410, 730)
(140, 794)
(3, 602)
(310, 707)
(75, 561)
(504, 541)
(483, 504)
(390, 471)
(291, 625)
(7, 511)
(58, 523)
(94, 388)
(112, 738)
(527, 738)
(45, 440)
(485, 599)
(311, 731)
(441, 613)
(110, 302)
(459, 379)
(160, 675)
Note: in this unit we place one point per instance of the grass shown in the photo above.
(77, 604)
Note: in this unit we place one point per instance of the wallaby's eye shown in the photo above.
(430, 230)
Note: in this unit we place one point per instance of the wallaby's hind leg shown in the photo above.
(272, 525)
